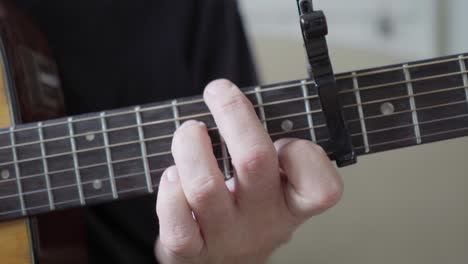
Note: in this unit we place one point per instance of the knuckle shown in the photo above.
(186, 133)
(180, 241)
(203, 190)
(234, 103)
(314, 151)
(330, 195)
(255, 160)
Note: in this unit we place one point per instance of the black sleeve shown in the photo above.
(219, 45)
(119, 53)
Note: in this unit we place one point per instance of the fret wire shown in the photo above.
(274, 87)
(145, 140)
(141, 188)
(45, 167)
(129, 175)
(207, 114)
(280, 133)
(150, 156)
(133, 142)
(396, 113)
(357, 147)
(110, 167)
(302, 129)
(357, 94)
(436, 133)
(226, 162)
(407, 96)
(75, 162)
(286, 116)
(409, 86)
(170, 136)
(17, 172)
(175, 112)
(137, 173)
(261, 109)
(399, 68)
(310, 120)
(141, 136)
(465, 75)
(154, 122)
(385, 85)
(269, 119)
(411, 125)
(413, 138)
(410, 111)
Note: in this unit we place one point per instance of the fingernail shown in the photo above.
(188, 123)
(202, 125)
(217, 86)
(283, 142)
(171, 175)
(192, 123)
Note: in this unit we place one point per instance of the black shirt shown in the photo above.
(116, 53)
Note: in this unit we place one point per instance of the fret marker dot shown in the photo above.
(287, 125)
(90, 137)
(387, 108)
(5, 174)
(97, 184)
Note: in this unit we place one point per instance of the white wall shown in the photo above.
(412, 24)
(457, 26)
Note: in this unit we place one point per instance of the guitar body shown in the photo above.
(30, 91)
(14, 236)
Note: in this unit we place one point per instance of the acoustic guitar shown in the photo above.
(50, 164)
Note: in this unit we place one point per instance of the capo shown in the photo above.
(314, 29)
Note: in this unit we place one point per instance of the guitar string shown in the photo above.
(161, 137)
(384, 85)
(301, 99)
(410, 125)
(29, 208)
(265, 89)
(222, 159)
(209, 115)
(462, 57)
(157, 154)
(172, 120)
(255, 106)
(405, 96)
(123, 176)
(318, 126)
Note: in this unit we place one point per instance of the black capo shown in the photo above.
(314, 30)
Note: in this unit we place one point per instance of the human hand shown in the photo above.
(278, 186)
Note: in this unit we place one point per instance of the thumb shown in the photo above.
(313, 184)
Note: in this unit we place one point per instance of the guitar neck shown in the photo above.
(405, 105)
(100, 157)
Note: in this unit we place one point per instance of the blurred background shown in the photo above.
(405, 206)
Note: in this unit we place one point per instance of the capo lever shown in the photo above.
(314, 29)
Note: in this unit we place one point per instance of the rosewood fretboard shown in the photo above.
(118, 154)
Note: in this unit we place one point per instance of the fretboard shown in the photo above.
(101, 157)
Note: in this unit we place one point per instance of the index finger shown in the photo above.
(250, 146)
